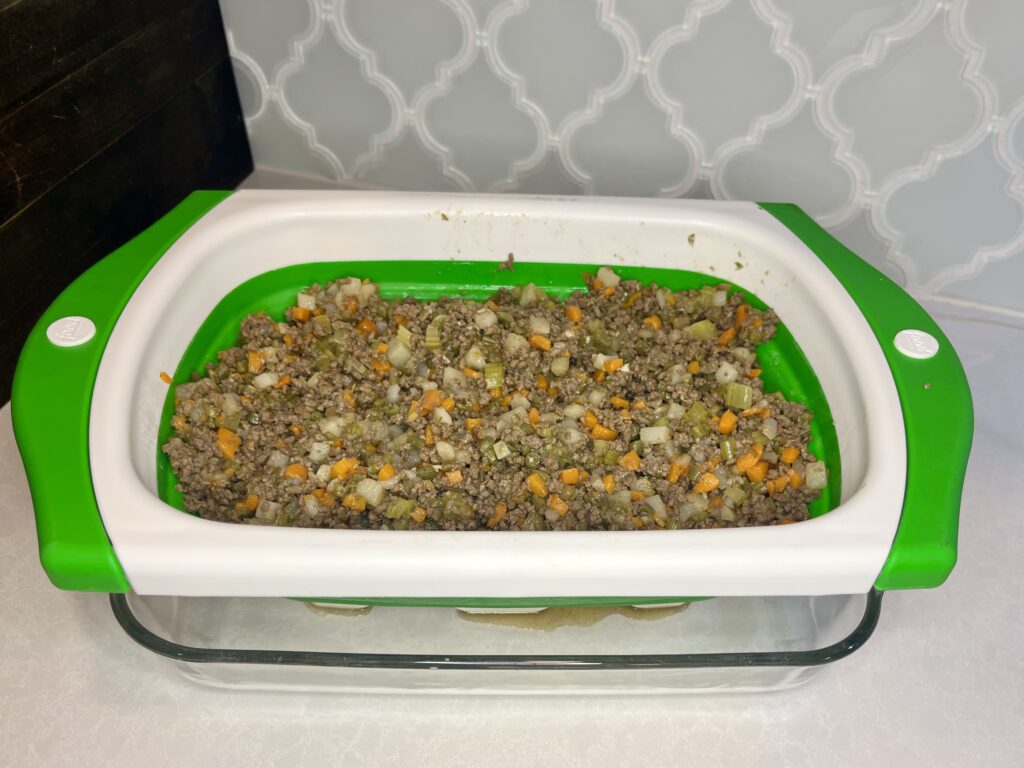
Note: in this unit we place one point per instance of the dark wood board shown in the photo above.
(158, 117)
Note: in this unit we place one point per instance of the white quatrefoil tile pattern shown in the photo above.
(897, 124)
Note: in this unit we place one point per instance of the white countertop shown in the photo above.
(941, 682)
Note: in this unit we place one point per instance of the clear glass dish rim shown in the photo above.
(563, 662)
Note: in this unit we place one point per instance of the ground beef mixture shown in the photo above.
(622, 407)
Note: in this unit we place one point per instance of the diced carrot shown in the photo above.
(380, 366)
(553, 392)
(506, 400)
(351, 305)
(608, 292)
(542, 381)
(251, 502)
(536, 484)
(630, 461)
(637, 495)
(534, 417)
(754, 373)
(255, 361)
(418, 515)
(618, 402)
(454, 477)
(789, 455)
(288, 340)
(613, 365)
(706, 482)
(599, 376)
(366, 326)
(741, 314)
(283, 381)
(638, 523)
(296, 429)
(795, 478)
(353, 501)
(632, 299)
(345, 468)
(228, 442)
(539, 342)
(558, 504)
(653, 321)
(715, 500)
(431, 399)
(401, 320)
(727, 423)
(382, 348)
(745, 462)
(573, 312)
(448, 404)
(495, 392)
(472, 424)
(727, 337)
(428, 435)
(386, 472)
(596, 285)
(639, 404)
(750, 411)
(296, 472)
(758, 472)
(569, 476)
(601, 432)
(165, 378)
(675, 471)
(470, 373)
(693, 367)
(324, 498)
(671, 299)
(756, 322)
(301, 314)
(609, 483)
(500, 509)
(589, 420)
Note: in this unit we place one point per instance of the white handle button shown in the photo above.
(916, 344)
(71, 331)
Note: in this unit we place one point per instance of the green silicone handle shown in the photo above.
(936, 404)
(51, 397)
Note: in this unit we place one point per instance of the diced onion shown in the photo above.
(265, 380)
(539, 324)
(514, 342)
(770, 428)
(371, 490)
(719, 299)
(574, 411)
(816, 476)
(319, 451)
(331, 426)
(675, 411)
(654, 435)
(518, 401)
(656, 504)
(323, 473)
(305, 301)
(485, 319)
(597, 396)
(393, 393)
(528, 296)
(441, 416)
(608, 277)
(474, 358)
(560, 365)
(445, 450)
(398, 353)
(453, 379)
(726, 373)
(277, 460)
(501, 450)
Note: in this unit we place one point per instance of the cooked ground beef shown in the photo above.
(622, 407)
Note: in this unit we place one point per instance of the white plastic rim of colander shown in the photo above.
(164, 551)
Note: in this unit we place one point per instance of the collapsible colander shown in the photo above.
(892, 408)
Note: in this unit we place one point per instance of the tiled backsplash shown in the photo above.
(899, 124)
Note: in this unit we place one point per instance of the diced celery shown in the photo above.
(494, 375)
(738, 395)
(702, 329)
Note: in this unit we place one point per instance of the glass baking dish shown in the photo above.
(735, 644)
